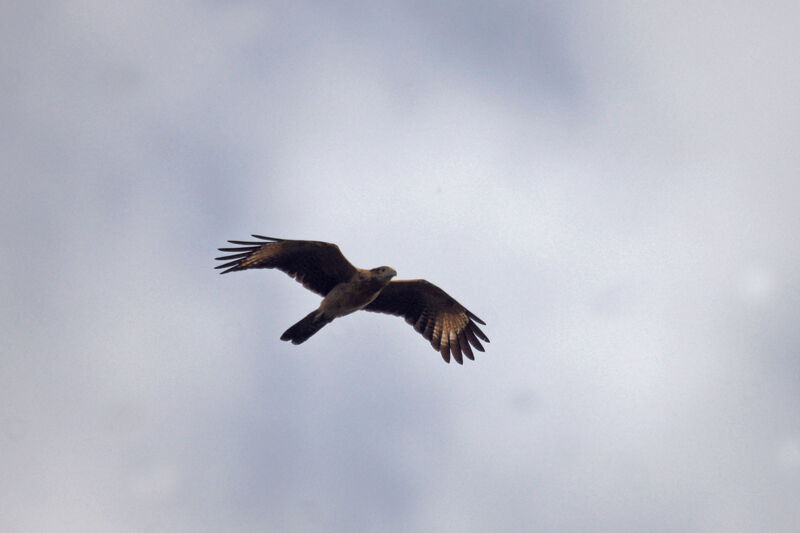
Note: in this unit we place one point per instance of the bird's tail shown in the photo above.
(300, 332)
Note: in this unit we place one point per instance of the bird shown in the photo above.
(451, 328)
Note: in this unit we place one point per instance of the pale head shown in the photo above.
(384, 273)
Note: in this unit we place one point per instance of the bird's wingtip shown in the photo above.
(263, 237)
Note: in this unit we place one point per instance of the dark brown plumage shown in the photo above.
(448, 325)
(320, 267)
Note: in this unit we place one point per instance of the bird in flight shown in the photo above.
(449, 326)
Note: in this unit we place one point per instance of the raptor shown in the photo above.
(322, 268)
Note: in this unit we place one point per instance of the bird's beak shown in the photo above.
(394, 272)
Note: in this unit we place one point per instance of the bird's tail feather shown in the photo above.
(300, 332)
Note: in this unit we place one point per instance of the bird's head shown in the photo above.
(384, 273)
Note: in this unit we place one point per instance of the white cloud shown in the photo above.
(610, 189)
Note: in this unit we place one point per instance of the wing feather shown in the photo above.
(449, 326)
(319, 266)
(455, 349)
(473, 340)
(445, 351)
(465, 347)
(235, 256)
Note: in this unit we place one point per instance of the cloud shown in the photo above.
(609, 187)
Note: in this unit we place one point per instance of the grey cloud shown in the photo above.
(608, 187)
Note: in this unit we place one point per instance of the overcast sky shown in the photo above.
(613, 187)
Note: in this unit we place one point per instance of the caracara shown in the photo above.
(320, 267)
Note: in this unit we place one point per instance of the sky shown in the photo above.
(611, 186)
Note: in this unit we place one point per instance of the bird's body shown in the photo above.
(357, 292)
(322, 268)
(344, 298)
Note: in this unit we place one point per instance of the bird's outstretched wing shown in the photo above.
(449, 326)
(319, 266)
